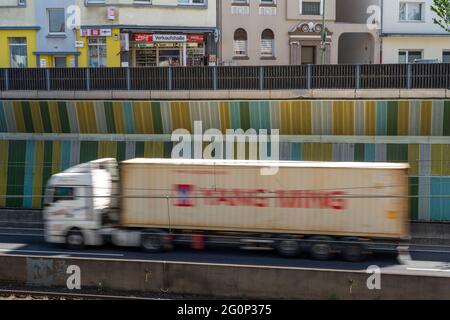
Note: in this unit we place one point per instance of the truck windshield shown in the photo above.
(57, 193)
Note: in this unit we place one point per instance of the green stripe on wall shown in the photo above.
(63, 117)
(88, 151)
(16, 173)
(392, 115)
(446, 125)
(47, 164)
(157, 118)
(359, 152)
(27, 117)
(397, 152)
(43, 107)
(139, 149)
(109, 115)
(244, 111)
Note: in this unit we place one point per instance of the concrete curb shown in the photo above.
(300, 94)
(228, 281)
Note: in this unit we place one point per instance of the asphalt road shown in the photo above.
(430, 260)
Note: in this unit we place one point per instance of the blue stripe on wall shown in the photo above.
(235, 115)
(3, 127)
(440, 198)
(369, 152)
(29, 173)
(65, 156)
(128, 117)
(296, 151)
(381, 118)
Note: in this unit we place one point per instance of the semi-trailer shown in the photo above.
(320, 208)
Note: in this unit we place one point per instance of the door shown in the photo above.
(308, 55)
(60, 62)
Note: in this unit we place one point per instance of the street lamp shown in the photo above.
(323, 36)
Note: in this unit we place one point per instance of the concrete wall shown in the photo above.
(13, 15)
(432, 47)
(219, 280)
(160, 13)
(392, 23)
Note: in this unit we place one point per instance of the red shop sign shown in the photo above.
(140, 37)
(195, 38)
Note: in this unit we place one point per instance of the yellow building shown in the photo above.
(17, 47)
(98, 47)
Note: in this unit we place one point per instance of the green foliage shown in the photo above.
(442, 9)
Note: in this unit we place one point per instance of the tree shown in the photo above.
(442, 9)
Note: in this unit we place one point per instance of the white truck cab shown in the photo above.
(80, 202)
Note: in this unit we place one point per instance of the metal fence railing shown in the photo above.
(380, 76)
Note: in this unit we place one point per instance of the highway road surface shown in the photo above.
(425, 259)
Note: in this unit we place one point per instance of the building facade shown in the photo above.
(408, 33)
(147, 33)
(107, 33)
(271, 32)
(18, 28)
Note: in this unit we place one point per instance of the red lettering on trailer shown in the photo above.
(306, 199)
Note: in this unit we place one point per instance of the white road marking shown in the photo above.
(62, 252)
(427, 269)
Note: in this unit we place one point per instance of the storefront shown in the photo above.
(99, 47)
(158, 49)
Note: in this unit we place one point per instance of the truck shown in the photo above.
(323, 209)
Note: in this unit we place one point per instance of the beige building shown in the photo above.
(289, 32)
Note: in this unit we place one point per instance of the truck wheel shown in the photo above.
(152, 242)
(75, 240)
(321, 250)
(288, 247)
(354, 252)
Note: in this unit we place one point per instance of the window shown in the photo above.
(240, 42)
(411, 11)
(63, 193)
(240, 2)
(18, 52)
(192, 2)
(56, 20)
(446, 57)
(408, 56)
(97, 51)
(311, 7)
(267, 43)
(263, 2)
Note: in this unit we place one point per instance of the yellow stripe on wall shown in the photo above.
(38, 173)
(181, 116)
(118, 117)
(86, 117)
(18, 114)
(425, 117)
(56, 157)
(54, 116)
(370, 118)
(317, 152)
(295, 117)
(413, 159)
(436, 156)
(224, 109)
(143, 117)
(36, 117)
(343, 117)
(4, 147)
(153, 149)
(107, 149)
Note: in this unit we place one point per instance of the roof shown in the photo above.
(264, 163)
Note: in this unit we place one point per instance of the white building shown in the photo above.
(408, 32)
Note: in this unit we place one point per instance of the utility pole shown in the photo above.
(324, 36)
